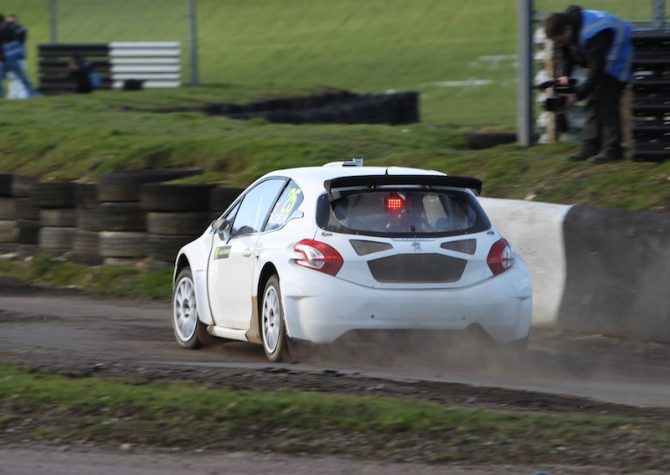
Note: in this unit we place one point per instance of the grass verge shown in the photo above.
(45, 407)
(103, 280)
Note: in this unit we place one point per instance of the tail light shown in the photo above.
(318, 256)
(501, 257)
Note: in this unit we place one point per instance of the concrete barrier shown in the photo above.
(594, 270)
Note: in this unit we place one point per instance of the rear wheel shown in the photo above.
(273, 328)
(189, 331)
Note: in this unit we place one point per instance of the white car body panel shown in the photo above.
(321, 308)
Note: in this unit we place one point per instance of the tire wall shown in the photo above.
(594, 270)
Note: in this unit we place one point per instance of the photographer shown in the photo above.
(602, 43)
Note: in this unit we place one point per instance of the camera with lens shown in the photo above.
(557, 102)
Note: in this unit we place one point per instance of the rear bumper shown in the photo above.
(320, 308)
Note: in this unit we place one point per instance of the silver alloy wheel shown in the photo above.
(271, 320)
(184, 310)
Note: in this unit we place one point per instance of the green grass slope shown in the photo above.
(270, 48)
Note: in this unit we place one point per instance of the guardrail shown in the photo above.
(119, 64)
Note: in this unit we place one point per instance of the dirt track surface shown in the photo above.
(73, 333)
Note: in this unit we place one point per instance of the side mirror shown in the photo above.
(222, 227)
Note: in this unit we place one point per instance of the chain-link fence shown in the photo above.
(643, 13)
(105, 21)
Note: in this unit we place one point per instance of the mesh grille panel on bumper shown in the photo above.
(417, 268)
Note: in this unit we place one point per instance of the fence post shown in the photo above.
(658, 22)
(524, 90)
(195, 77)
(53, 22)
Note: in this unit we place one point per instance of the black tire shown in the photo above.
(85, 243)
(8, 231)
(8, 208)
(173, 224)
(272, 324)
(53, 195)
(121, 217)
(87, 219)
(165, 248)
(86, 195)
(122, 244)
(167, 197)
(125, 185)
(188, 330)
(221, 198)
(58, 218)
(56, 240)
(22, 185)
(26, 209)
(6, 184)
(28, 232)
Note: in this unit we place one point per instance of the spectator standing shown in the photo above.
(15, 87)
(11, 56)
(80, 70)
(602, 43)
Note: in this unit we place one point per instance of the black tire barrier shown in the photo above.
(191, 223)
(58, 218)
(8, 208)
(26, 209)
(87, 219)
(482, 140)
(221, 198)
(22, 185)
(121, 217)
(28, 232)
(86, 196)
(334, 107)
(53, 195)
(6, 184)
(56, 241)
(122, 244)
(165, 248)
(168, 197)
(125, 185)
(85, 243)
(8, 231)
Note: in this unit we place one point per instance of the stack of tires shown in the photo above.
(175, 215)
(121, 219)
(221, 198)
(85, 245)
(19, 217)
(58, 220)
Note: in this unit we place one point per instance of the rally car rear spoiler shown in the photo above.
(373, 181)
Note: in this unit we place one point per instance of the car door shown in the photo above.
(232, 260)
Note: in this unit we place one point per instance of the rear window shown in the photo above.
(402, 212)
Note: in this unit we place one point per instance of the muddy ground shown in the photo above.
(73, 333)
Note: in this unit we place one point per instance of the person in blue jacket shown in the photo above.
(602, 43)
(12, 53)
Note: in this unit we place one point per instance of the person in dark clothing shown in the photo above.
(602, 43)
(79, 70)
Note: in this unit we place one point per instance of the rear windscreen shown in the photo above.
(402, 212)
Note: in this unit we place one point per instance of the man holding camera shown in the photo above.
(602, 43)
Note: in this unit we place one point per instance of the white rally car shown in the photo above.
(313, 254)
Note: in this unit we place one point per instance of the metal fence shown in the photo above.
(105, 21)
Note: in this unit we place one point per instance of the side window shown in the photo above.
(255, 207)
(287, 203)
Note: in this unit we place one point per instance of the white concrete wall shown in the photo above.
(535, 231)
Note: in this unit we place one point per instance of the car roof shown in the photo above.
(310, 179)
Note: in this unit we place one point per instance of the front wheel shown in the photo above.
(273, 329)
(189, 331)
